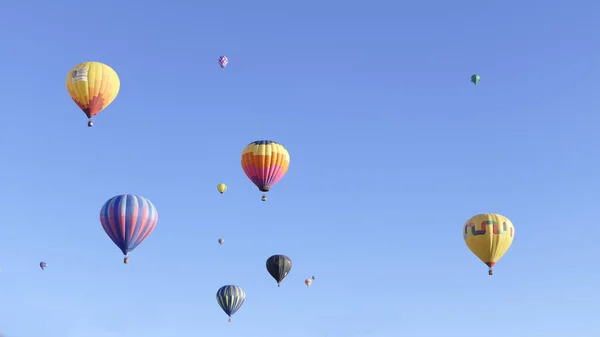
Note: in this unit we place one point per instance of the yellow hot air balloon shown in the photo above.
(489, 236)
(221, 188)
(93, 86)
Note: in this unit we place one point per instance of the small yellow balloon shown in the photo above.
(489, 236)
(221, 188)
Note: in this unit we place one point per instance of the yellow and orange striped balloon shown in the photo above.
(265, 162)
(93, 86)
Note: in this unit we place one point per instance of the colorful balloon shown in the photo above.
(93, 86)
(230, 298)
(489, 236)
(221, 241)
(308, 282)
(223, 60)
(265, 162)
(128, 219)
(279, 267)
(475, 79)
(43, 265)
(221, 188)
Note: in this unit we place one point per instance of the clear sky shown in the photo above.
(392, 150)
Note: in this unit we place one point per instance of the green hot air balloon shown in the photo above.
(475, 79)
(279, 266)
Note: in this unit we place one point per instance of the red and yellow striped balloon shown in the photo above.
(265, 162)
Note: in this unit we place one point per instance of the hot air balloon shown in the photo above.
(43, 265)
(279, 266)
(221, 241)
(475, 79)
(489, 236)
(221, 188)
(265, 162)
(93, 86)
(230, 298)
(313, 278)
(308, 282)
(128, 219)
(223, 60)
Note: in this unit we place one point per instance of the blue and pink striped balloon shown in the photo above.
(128, 219)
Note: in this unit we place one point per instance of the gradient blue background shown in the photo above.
(392, 150)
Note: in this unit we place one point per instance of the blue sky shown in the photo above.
(392, 150)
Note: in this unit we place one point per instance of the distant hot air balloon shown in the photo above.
(93, 86)
(128, 219)
(265, 162)
(308, 282)
(223, 60)
(43, 265)
(221, 188)
(489, 236)
(475, 79)
(313, 278)
(279, 267)
(221, 241)
(230, 298)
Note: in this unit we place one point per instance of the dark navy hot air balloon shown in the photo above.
(230, 298)
(43, 265)
(128, 219)
(279, 266)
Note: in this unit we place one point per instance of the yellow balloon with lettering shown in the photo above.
(489, 236)
(93, 86)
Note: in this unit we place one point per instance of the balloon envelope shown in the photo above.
(279, 267)
(128, 219)
(489, 236)
(93, 86)
(230, 299)
(265, 162)
(223, 60)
